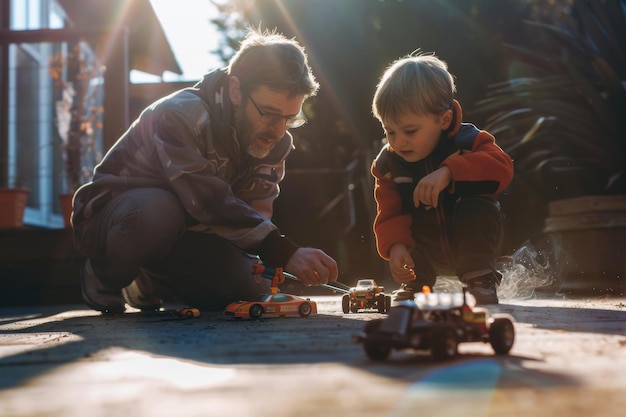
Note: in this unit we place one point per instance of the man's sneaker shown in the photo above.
(96, 295)
(484, 290)
(137, 298)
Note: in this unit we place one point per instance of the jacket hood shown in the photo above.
(213, 90)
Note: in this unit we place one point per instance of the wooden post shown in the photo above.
(116, 78)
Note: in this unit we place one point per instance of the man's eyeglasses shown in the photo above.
(273, 118)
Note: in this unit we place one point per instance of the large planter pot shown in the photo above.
(592, 231)
(12, 207)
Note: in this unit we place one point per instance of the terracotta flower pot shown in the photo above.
(12, 206)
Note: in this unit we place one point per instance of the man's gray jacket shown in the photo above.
(186, 143)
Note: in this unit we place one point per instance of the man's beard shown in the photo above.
(244, 130)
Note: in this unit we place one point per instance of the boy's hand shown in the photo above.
(401, 264)
(428, 189)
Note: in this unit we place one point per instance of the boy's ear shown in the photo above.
(234, 90)
(446, 119)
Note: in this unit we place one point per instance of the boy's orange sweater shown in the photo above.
(478, 166)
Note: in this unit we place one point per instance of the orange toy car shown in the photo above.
(187, 312)
(272, 304)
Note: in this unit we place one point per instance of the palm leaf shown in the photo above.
(571, 109)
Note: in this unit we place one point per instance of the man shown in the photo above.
(181, 205)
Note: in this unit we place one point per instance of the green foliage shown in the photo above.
(565, 115)
(231, 24)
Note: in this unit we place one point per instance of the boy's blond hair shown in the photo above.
(414, 84)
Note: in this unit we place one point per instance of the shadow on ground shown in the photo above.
(35, 342)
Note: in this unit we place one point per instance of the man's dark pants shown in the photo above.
(142, 234)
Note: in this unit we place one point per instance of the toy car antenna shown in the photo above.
(275, 274)
(278, 275)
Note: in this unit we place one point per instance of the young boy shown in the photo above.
(437, 181)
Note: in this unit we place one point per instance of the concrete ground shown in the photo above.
(569, 359)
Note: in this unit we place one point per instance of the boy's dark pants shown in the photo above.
(142, 234)
(467, 239)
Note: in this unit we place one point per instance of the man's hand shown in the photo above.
(401, 263)
(428, 189)
(312, 266)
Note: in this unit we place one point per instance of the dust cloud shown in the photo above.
(530, 268)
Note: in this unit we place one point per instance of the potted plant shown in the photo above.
(77, 82)
(12, 206)
(563, 123)
(13, 196)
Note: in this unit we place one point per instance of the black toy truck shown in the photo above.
(436, 323)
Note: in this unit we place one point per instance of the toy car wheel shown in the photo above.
(354, 308)
(387, 303)
(255, 311)
(501, 335)
(443, 342)
(376, 351)
(380, 303)
(305, 310)
(345, 303)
